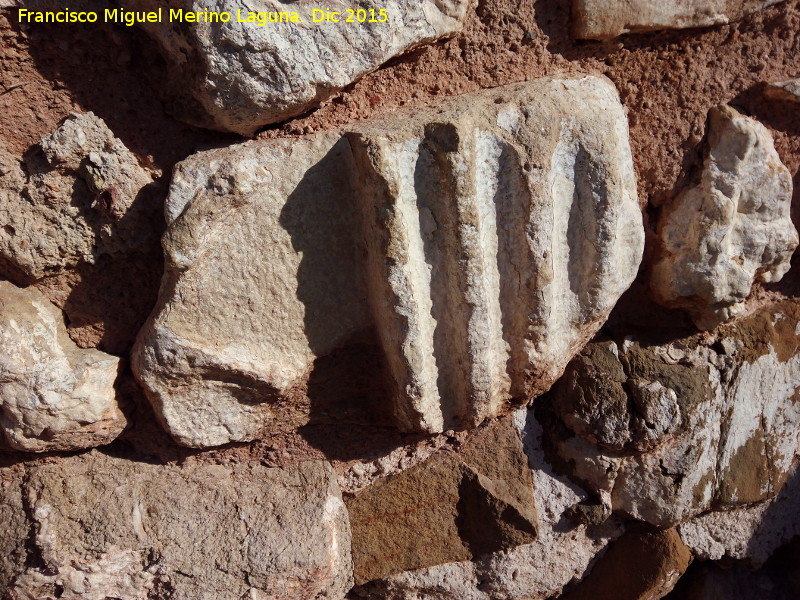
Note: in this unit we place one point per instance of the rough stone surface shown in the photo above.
(260, 278)
(531, 184)
(722, 431)
(15, 532)
(241, 76)
(744, 233)
(53, 395)
(785, 90)
(450, 508)
(501, 229)
(640, 565)
(110, 527)
(753, 532)
(79, 195)
(606, 19)
(562, 551)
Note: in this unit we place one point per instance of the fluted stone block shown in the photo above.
(486, 239)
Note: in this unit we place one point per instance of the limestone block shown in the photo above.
(53, 395)
(606, 19)
(486, 239)
(725, 435)
(784, 90)
(111, 527)
(730, 228)
(79, 195)
(561, 553)
(260, 277)
(240, 76)
(453, 507)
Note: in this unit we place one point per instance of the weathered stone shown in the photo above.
(15, 532)
(53, 395)
(260, 278)
(110, 527)
(531, 185)
(453, 507)
(606, 19)
(84, 196)
(535, 571)
(640, 565)
(731, 228)
(720, 427)
(239, 76)
(784, 90)
(752, 532)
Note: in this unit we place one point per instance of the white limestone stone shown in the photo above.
(729, 229)
(53, 395)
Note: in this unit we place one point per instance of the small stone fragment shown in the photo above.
(606, 19)
(106, 527)
(79, 195)
(450, 508)
(731, 228)
(243, 75)
(784, 90)
(53, 395)
(640, 565)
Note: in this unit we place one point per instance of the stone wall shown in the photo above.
(471, 300)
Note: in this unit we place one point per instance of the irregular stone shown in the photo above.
(752, 532)
(532, 184)
(784, 90)
(453, 507)
(111, 527)
(536, 571)
(240, 76)
(719, 431)
(79, 195)
(606, 19)
(729, 229)
(53, 395)
(640, 565)
(260, 278)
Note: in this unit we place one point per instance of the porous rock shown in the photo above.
(80, 194)
(606, 19)
(278, 251)
(53, 395)
(561, 553)
(730, 228)
(239, 76)
(722, 433)
(111, 527)
(751, 533)
(453, 507)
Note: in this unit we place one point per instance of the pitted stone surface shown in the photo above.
(79, 195)
(736, 440)
(606, 19)
(53, 395)
(239, 76)
(731, 228)
(499, 230)
(107, 527)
